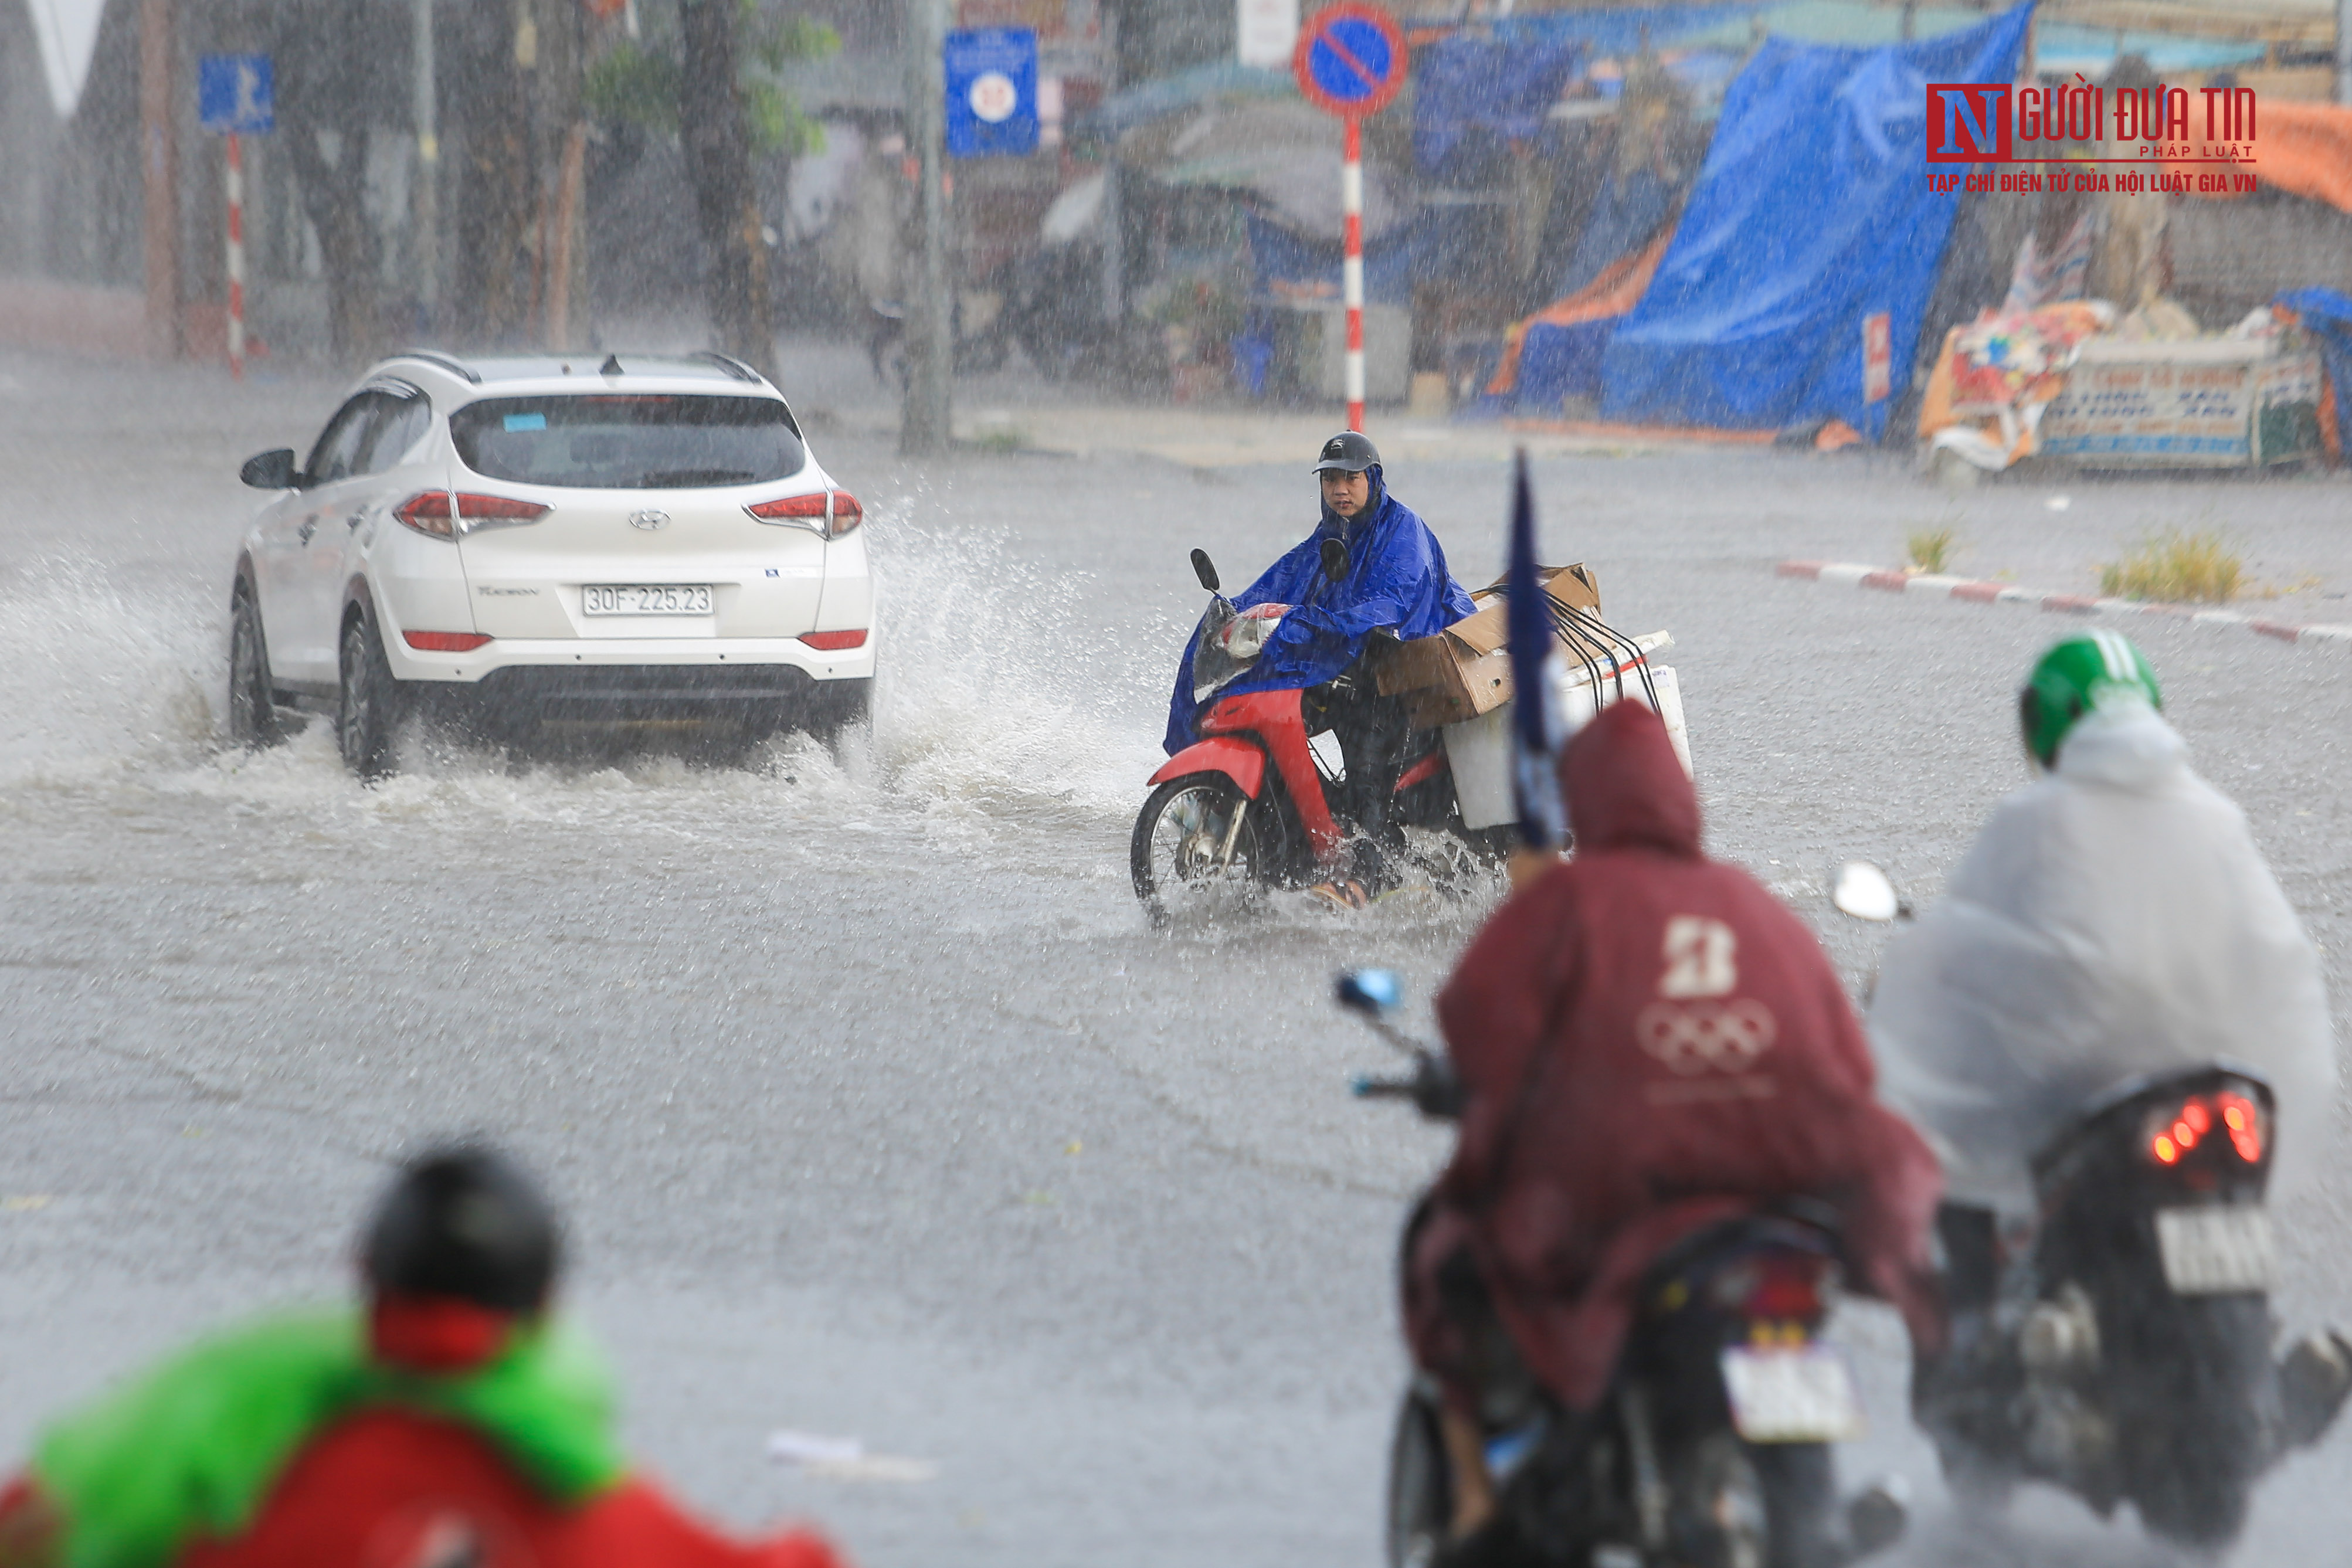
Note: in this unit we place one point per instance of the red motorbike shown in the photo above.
(1250, 806)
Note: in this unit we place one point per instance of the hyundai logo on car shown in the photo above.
(649, 520)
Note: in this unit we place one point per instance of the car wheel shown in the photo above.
(369, 706)
(842, 705)
(252, 712)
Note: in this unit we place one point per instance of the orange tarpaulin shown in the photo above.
(2305, 149)
(1614, 290)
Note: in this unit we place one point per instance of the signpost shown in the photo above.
(236, 95)
(992, 92)
(1350, 61)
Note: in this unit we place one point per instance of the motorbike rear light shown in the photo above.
(440, 514)
(2172, 1134)
(2244, 1121)
(830, 512)
(1783, 1288)
(444, 642)
(833, 642)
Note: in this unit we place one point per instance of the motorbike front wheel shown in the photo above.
(1196, 844)
(1420, 1493)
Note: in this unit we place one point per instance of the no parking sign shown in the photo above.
(991, 78)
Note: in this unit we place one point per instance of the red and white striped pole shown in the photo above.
(235, 179)
(1351, 269)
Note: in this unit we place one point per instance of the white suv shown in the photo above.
(511, 541)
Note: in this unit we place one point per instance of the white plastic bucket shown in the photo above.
(1479, 750)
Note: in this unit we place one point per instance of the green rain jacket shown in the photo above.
(193, 1448)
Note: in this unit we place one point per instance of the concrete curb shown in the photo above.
(1936, 586)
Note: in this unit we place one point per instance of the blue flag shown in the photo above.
(1535, 730)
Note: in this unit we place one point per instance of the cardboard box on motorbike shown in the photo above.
(1460, 681)
(1466, 669)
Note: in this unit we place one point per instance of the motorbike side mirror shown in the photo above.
(1866, 893)
(1335, 560)
(1371, 991)
(1202, 569)
(269, 470)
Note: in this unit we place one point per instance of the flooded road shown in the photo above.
(875, 1107)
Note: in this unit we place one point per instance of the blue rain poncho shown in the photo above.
(1396, 581)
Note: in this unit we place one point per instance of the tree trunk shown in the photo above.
(333, 199)
(498, 192)
(718, 142)
(324, 76)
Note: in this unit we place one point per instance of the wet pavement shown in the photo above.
(876, 1108)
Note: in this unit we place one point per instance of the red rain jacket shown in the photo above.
(392, 1489)
(1650, 1044)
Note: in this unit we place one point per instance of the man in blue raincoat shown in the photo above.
(1396, 581)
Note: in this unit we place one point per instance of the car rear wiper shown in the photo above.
(681, 479)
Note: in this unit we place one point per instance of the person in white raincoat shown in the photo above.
(2114, 918)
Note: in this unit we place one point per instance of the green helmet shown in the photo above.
(2076, 676)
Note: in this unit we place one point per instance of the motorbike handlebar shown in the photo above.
(1434, 1089)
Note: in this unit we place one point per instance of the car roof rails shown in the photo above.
(730, 363)
(449, 363)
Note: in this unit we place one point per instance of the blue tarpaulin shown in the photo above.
(1625, 215)
(1291, 267)
(1812, 214)
(1560, 363)
(1620, 29)
(2327, 316)
(1470, 95)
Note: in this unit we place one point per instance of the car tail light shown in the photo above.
(830, 512)
(833, 641)
(2171, 1134)
(431, 513)
(847, 514)
(444, 642)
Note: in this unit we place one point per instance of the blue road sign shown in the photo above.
(992, 75)
(1350, 59)
(236, 93)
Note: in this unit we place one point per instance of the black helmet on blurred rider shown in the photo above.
(464, 1223)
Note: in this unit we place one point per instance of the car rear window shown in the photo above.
(641, 441)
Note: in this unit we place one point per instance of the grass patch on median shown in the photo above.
(2177, 568)
(1930, 550)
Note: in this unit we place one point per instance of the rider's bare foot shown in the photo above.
(1528, 865)
(1341, 893)
(1465, 1457)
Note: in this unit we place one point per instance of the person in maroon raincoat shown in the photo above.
(1647, 1044)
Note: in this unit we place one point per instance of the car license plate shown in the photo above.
(2218, 1249)
(645, 599)
(1790, 1393)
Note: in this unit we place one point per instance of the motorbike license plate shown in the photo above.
(645, 599)
(2217, 1249)
(1792, 1394)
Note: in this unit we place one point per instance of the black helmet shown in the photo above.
(1349, 452)
(464, 1221)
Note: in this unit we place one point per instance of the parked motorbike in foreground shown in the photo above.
(2119, 1346)
(1254, 802)
(1711, 1449)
